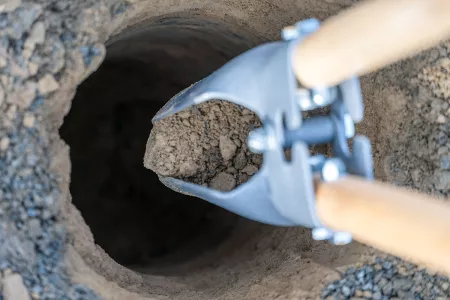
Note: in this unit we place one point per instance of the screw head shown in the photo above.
(331, 170)
(321, 234)
(342, 238)
(257, 140)
(349, 126)
(289, 33)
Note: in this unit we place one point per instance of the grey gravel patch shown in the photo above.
(389, 278)
(37, 40)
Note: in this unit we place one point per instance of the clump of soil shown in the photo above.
(205, 144)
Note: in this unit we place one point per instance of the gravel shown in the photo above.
(38, 40)
(388, 278)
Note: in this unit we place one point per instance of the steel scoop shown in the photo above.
(262, 80)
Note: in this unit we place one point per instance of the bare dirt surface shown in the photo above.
(87, 221)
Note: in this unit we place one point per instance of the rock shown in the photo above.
(47, 84)
(14, 288)
(440, 119)
(346, 291)
(2, 95)
(28, 120)
(32, 68)
(3, 61)
(36, 36)
(445, 162)
(4, 143)
(441, 180)
(367, 294)
(34, 228)
(227, 147)
(377, 296)
(240, 160)
(250, 170)
(402, 284)
(9, 5)
(387, 289)
(223, 182)
(24, 96)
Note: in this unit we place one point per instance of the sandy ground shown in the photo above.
(83, 219)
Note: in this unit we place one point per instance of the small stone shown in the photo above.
(250, 170)
(14, 288)
(402, 284)
(440, 119)
(9, 5)
(4, 143)
(46, 214)
(36, 36)
(28, 120)
(382, 282)
(444, 286)
(346, 291)
(237, 142)
(377, 296)
(2, 95)
(227, 147)
(387, 289)
(11, 112)
(24, 96)
(3, 62)
(240, 161)
(367, 294)
(223, 182)
(441, 180)
(32, 68)
(34, 228)
(47, 84)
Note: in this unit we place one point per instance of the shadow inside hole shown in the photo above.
(132, 216)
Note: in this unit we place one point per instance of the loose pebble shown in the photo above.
(9, 5)
(4, 143)
(47, 84)
(223, 182)
(28, 120)
(250, 170)
(227, 147)
(14, 289)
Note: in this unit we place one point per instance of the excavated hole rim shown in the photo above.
(159, 61)
(243, 228)
(265, 252)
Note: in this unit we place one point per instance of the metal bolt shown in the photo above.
(257, 140)
(349, 126)
(308, 26)
(331, 170)
(321, 234)
(304, 99)
(289, 33)
(320, 97)
(342, 238)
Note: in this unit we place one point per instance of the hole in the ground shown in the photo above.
(133, 217)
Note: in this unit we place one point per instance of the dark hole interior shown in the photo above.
(133, 217)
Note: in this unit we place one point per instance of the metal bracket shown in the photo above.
(292, 180)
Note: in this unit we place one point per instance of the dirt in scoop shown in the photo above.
(205, 144)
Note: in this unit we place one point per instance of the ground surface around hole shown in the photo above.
(48, 47)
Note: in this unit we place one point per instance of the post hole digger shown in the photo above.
(315, 66)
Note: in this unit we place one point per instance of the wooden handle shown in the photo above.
(370, 36)
(395, 220)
